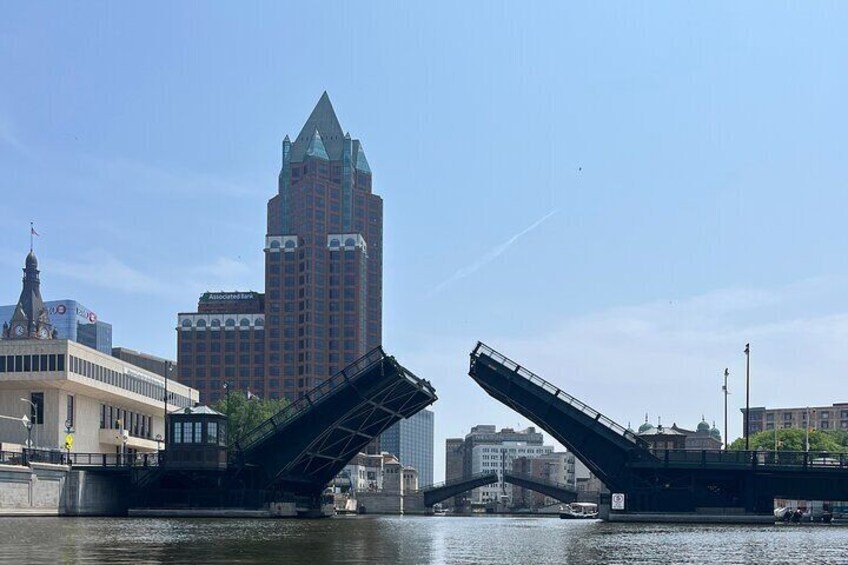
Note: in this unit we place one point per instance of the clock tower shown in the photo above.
(30, 319)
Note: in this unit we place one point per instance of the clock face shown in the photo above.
(19, 330)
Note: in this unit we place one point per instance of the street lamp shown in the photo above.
(168, 369)
(28, 425)
(726, 392)
(747, 395)
(32, 422)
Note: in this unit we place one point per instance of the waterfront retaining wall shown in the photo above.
(42, 489)
(35, 490)
(379, 503)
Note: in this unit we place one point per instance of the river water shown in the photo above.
(410, 540)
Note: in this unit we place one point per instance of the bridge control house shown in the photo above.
(50, 386)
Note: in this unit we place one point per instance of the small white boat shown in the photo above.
(579, 511)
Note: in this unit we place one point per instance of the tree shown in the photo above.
(793, 439)
(244, 414)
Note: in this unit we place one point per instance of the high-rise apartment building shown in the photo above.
(322, 306)
(411, 441)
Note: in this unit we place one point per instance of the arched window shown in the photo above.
(349, 242)
(201, 323)
(216, 323)
(230, 323)
(275, 244)
(244, 322)
(260, 322)
(290, 244)
(334, 243)
(186, 323)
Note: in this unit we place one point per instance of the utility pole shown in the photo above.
(726, 392)
(747, 396)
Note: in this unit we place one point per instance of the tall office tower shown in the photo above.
(322, 306)
(323, 257)
(411, 441)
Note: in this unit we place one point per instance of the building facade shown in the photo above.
(54, 382)
(558, 467)
(832, 417)
(485, 448)
(411, 441)
(322, 306)
(223, 342)
(73, 321)
(152, 363)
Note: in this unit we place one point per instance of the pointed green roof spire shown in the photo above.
(323, 119)
(316, 147)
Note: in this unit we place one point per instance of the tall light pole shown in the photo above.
(168, 369)
(726, 392)
(747, 396)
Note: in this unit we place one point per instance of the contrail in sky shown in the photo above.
(489, 256)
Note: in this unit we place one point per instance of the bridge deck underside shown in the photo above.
(306, 452)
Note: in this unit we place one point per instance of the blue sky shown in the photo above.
(619, 197)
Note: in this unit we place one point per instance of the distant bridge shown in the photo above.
(442, 491)
(658, 481)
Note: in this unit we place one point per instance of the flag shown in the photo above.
(32, 231)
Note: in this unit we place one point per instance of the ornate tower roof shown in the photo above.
(324, 121)
(30, 319)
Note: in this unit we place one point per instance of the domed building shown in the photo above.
(703, 437)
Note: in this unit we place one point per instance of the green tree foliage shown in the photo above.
(244, 414)
(791, 439)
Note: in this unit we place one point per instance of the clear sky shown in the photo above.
(618, 197)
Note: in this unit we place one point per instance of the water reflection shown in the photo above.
(408, 540)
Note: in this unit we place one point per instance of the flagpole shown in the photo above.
(31, 231)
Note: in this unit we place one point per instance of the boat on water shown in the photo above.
(579, 511)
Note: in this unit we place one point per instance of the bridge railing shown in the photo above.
(484, 349)
(310, 399)
(434, 486)
(761, 458)
(541, 480)
(27, 456)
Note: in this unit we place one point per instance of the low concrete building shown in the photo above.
(59, 382)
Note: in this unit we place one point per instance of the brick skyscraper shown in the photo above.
(322, 306)
(323, 256)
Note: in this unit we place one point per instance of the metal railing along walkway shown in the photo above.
(86, 460)
(483, 349)
(452, 482)
(349, 374)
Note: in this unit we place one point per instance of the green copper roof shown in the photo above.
(323, 120)
(316, 147)
(361, 161)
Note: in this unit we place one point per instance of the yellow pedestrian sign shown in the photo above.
(69, 442)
